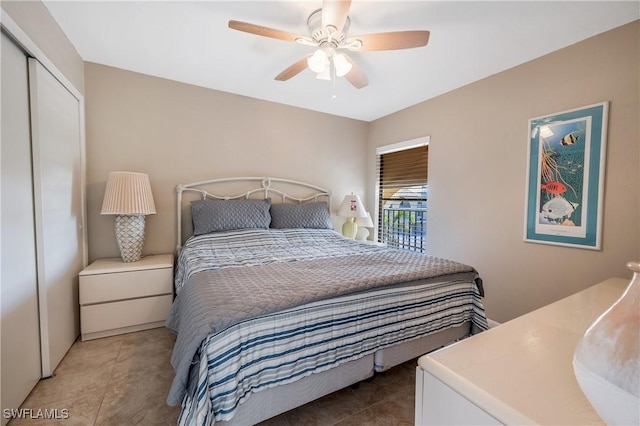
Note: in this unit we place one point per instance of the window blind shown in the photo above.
(402, 169)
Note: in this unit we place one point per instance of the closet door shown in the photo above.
(20, 348)
(57, 166)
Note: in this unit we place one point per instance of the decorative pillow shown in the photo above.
(227, 215)
(305, 215)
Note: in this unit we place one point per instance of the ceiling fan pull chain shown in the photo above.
(333, 78)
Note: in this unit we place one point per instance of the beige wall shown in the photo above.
(36, 21)
(477, 161)
(178, 133)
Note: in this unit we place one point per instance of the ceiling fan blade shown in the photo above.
(389, 41)
(334, 13)
(264, 31)
(356, 77)
(293, 70)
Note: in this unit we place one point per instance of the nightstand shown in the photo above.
(118, 297)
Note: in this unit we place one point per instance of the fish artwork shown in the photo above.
(569, 139)
(553, 187)
(558, 208)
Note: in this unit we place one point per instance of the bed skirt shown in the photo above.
(274, 401)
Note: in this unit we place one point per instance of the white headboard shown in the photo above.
(279, 190)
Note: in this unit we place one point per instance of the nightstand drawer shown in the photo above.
(115, 315)
(125, 285)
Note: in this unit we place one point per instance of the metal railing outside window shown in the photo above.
(404, 227)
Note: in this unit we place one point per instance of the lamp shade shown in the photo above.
(365, 222)
(352, 207)
(343, 66)
(319, 61)
(128, 193)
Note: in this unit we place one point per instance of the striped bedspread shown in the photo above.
(256, 309)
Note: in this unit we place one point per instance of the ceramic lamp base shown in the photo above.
(350, 229)
(362, 234)
(607, 358)
(130, 236)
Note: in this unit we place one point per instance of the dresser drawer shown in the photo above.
(114, 315)
(125, 285)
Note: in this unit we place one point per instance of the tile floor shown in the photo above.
(124, 380)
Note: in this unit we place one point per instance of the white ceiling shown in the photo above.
(190, 42)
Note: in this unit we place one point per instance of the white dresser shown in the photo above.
(118, 297)
(519, 372)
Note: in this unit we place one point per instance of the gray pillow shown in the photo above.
(306, 215)
(227, 215)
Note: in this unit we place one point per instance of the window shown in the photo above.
(402, 194)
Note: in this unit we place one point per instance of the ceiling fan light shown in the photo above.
(324, 75)
(343, 66)
(318, 61)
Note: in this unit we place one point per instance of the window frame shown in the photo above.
(387, 149)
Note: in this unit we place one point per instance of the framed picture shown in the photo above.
(565, 177)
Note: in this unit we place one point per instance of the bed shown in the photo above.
(274, 309)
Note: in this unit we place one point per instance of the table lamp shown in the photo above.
(351, 208)
(128, 196)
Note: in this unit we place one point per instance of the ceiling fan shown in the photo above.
(328, 29)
